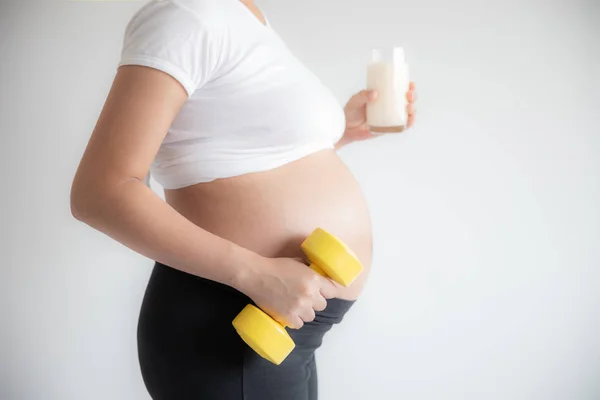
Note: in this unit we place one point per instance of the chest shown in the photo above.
(262, 90)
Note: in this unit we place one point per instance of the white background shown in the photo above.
(486, 216)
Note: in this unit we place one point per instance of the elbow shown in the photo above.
(76, 212)
(78, 203)
(84, 201)
(90, 198)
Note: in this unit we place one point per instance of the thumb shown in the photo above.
(363, 97)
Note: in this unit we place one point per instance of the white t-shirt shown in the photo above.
(252, 105)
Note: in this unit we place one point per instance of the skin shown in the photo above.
(242, 231)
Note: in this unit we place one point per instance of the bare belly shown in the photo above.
(272, 212)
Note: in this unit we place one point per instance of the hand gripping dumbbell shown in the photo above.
(330, 258)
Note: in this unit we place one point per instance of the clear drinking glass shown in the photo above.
(387, 73)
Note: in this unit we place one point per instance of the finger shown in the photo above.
(411, 109)
(320, 303)
(295, 323)
(308, 315)
(411, 96)
(411, 86)
(411, 121)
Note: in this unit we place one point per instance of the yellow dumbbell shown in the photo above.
(329, 257)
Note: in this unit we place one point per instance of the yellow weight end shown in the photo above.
(263, 334)
(332, 256)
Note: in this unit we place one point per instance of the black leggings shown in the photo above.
(188, 348)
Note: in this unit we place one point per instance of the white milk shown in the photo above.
(389, 77)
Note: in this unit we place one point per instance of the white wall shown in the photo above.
(486, 216)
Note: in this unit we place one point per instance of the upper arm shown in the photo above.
(135, 119)
(167, 53)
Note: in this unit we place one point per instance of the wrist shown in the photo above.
(342, 142)
(249, 266)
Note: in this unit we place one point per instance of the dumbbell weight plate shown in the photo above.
(332, 257)
(263, 334)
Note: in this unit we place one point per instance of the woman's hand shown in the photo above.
(288, 290)
(356, 115)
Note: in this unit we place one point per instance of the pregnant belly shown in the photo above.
(272, 212)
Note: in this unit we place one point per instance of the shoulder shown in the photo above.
(174, 12)
(180, 37)
(202, 8)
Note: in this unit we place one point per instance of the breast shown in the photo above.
(272, 212)
(264, 111)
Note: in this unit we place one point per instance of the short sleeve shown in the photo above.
(168, 37)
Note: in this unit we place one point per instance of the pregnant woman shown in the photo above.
(243, 139)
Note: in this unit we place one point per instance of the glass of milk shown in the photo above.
(387, 73)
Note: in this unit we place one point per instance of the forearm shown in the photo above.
(135, 216)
